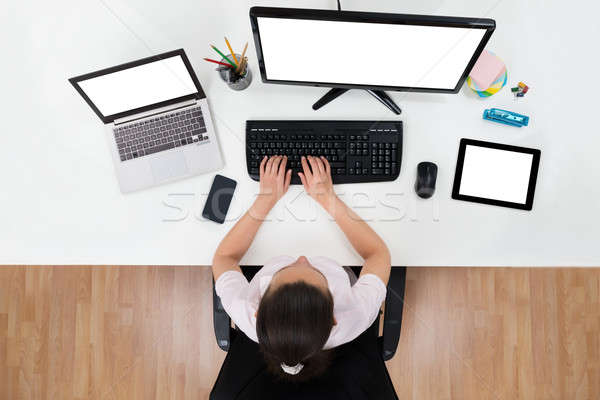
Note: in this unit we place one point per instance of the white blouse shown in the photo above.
(354, 307)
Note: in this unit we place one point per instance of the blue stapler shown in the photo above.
(505, 117)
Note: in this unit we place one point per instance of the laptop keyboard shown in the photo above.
(166, 132)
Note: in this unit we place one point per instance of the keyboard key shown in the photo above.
(162, 147)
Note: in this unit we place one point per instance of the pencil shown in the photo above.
(224, 56)
(243, 54)
(245, 48)
(237, 63)
(217, 62)
(243, 65)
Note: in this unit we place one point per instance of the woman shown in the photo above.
(298, 309)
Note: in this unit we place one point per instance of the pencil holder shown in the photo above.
(233, 80)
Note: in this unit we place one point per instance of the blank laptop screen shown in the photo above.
(360, 53)
(496, 174)
(139, 86)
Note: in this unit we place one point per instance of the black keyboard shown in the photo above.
(161, 133)
(358, 151)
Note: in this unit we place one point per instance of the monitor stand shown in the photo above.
(336, 92)
(378, 94)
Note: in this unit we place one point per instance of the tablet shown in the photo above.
(496, 174)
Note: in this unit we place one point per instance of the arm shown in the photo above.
(318, 184)
(274, 182)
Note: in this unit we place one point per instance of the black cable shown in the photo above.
(339, 6)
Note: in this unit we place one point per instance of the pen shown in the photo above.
(237, 63)
(224, 56)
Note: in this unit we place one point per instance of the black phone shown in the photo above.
(219, 199)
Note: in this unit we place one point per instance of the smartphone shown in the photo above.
(219, 199)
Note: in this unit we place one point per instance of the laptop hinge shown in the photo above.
(156, 111)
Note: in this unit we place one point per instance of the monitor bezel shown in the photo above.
(111, 118)
(382, 18)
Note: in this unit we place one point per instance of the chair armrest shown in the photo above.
(221, 322)
(394, 305)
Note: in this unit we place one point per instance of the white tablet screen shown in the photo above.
(496, 174)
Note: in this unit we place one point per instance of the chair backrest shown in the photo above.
(357, 372)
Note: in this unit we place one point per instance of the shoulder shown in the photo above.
(229, 282)
(363, 303)
(240, 298)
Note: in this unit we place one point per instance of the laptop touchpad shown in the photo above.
(169, 166)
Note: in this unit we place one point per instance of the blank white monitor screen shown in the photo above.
(413, 56)
(496, 174)
(139, 86)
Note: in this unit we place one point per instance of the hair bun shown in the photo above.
(294, 370)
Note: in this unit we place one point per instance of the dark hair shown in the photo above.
(293, 323)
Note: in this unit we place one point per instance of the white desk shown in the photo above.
(60, 203)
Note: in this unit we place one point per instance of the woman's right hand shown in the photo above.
(317, 180)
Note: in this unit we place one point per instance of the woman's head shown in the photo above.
(294, 320)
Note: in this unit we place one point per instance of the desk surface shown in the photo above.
(60, 203)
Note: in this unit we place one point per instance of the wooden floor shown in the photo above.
(111, 333)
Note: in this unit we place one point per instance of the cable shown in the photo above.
(339, 5)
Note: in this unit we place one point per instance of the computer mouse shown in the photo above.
(426, 176)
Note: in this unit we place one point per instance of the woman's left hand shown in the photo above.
(274, 180)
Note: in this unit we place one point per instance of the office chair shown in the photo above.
(357, 371)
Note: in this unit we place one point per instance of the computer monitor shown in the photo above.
(363, 50)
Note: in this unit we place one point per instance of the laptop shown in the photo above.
(158, 125)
